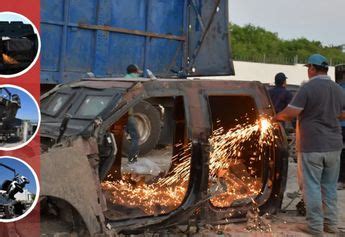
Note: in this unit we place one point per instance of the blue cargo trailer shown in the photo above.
(176, 38)
(172, 38)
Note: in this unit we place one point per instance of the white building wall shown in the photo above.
(25, 196)
(265, 72)
(248, 71)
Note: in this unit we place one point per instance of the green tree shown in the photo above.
(252, 43)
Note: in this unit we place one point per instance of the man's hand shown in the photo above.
(287, 114)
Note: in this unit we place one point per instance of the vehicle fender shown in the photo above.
(66, 174)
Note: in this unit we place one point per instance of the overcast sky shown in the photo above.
(313, 19)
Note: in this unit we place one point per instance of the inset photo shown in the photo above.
(19, 44)
(19, 189)
(19, 117)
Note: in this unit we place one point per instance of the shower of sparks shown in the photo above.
(226, 167)
(160, 197)
(227, 149)
(8, 60)
(228, 146)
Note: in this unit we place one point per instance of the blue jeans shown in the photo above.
(134, 134)
(320, 172)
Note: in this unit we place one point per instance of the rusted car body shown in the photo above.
(78, 151)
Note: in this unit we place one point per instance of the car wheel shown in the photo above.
(148, 123)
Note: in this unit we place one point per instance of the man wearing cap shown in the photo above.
(133, 71)
(318, 105)
(280, 96)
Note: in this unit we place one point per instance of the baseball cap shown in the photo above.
(317, 59)
(280, 78)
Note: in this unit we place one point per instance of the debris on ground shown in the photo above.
(257, 223)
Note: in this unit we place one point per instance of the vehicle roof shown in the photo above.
(103, 83)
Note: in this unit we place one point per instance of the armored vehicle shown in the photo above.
(225, 156)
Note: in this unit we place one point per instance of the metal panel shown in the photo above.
(80, 46)
(158, 20)
(80, 50)
(128, 14)
(102, 38)
(105, 36)
(125, 49)
(82, 11)
(51, 35)
(163, 55)
(52, 10)
(210, 53)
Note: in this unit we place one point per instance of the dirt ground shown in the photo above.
(285, 223)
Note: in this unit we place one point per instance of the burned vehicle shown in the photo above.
(9, 207)
(18, 47)
(12, 129)
(225, 157)
(10, 126)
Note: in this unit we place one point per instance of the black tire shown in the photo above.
(148, 117)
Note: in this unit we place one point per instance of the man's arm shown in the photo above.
(288, 113)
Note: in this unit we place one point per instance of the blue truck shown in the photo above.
(173, 39)
(176, 38)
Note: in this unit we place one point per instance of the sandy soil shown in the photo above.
(285, 223)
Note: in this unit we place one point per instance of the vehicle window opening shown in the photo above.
(58, 102)
(157, 182)
(235, 141)
(93, 105)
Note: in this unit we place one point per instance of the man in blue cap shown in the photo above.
(280, 96)
(318, 105)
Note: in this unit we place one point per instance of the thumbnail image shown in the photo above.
(19, 117)
(19, 44)
(19, 189)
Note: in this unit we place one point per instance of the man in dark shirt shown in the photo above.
(280, 96)
(341, 180)
(319, 104)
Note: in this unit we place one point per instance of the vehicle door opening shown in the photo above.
(239, 152)
(157, 183)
